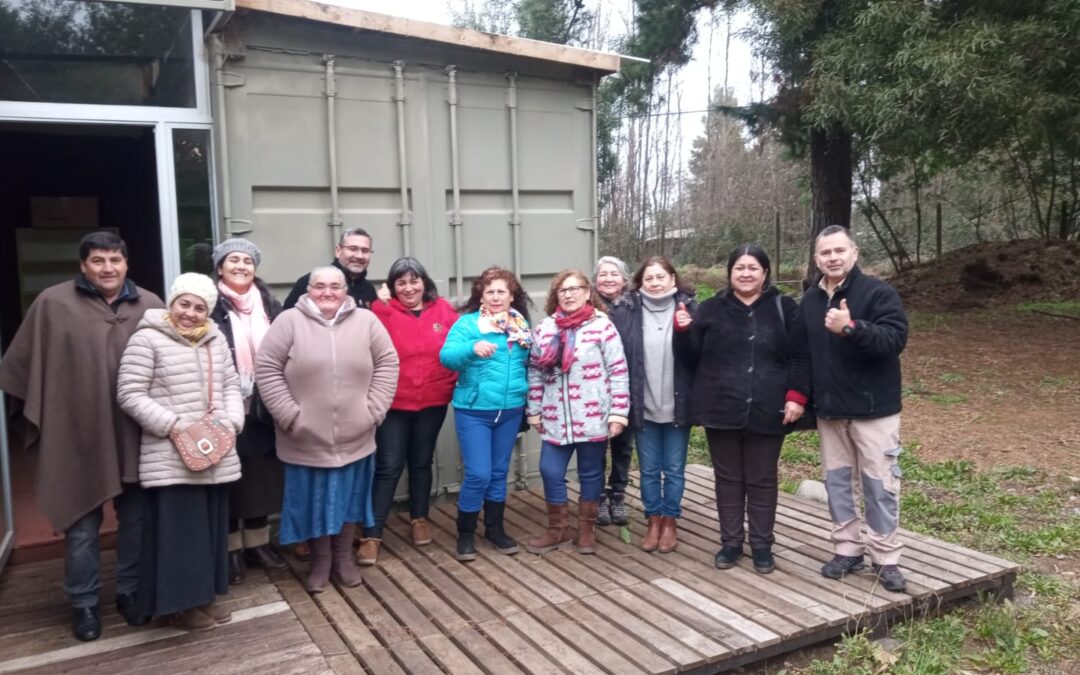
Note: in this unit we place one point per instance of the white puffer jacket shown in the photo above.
(159, 386)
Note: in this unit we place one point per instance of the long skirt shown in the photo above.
(185, 548)
(319, 501)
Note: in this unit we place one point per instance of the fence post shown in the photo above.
(776, 261)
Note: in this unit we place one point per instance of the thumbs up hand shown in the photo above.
(837, 318)
(682, 317)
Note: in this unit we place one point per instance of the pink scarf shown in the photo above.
(559, 350)
(249, 325)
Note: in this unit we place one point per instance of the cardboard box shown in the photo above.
(66, 212)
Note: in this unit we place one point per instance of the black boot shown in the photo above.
(493, 528)
(237, 568)
(466, 531)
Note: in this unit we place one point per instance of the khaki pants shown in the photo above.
(859, 456)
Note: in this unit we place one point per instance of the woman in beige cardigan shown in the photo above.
(327, 372)
(166, 372)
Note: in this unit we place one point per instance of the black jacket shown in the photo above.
(257, 438)
(746, 359)
(857, 375)
(626, 315)
(360, 289)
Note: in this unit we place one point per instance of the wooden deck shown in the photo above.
(419, 610)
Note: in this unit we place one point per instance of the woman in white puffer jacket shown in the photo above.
(163, 384)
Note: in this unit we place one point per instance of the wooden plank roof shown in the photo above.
(605, 62)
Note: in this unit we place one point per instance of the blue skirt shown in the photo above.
(318, 502)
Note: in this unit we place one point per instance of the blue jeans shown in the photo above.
(590, 465)
(487, 440)
(661, 450)
(82, 549)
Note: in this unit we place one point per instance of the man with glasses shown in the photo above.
(352, 256)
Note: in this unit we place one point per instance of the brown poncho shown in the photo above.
(62, 364)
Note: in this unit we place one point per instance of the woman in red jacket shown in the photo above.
(418, 321)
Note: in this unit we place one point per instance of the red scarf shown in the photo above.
(560, 348)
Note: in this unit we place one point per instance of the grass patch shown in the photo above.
(1064, 307)
(927, 320)
(1018, 512)
(948, 399)
(951, 377)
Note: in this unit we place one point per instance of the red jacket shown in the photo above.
(423, 382)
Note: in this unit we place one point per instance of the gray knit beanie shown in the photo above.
(236, 244)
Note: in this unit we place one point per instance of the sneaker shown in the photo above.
(603, 513)
(841, 565)
(892, 579)
(620, 515)
(727, 556)
(763, 560)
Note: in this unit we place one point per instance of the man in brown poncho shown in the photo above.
(62, 366)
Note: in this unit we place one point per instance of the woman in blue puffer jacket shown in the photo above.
(489, 346)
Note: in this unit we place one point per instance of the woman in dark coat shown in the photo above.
(752, 380)
(647, 319)
(243, 313)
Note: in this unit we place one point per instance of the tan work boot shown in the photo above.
(652, 537)
(668, 535)
(557, 534)
(368, 553)
(586, 516)
(192, 620)
(421, 531)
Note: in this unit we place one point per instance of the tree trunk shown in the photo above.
(830, 184)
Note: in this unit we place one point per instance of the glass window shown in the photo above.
(191, 159)
(68, 51)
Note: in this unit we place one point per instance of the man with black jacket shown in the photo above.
(857, 329)
(352, 256)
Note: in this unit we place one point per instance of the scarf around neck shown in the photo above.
(192, 335)
(510, 322)
(560, 348)
(249, 322)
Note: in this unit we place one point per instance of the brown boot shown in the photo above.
(320, 564)
(586, 534)
(192, 620)
(557, 534)
(302, 551)
(421, 531)
(668, 535)
(652, 537)
(217, 612)
(368, 553)
(342, 568)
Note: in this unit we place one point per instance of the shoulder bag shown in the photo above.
(205, 442)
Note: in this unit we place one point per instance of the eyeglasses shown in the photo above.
(319, 288)
(357, 249)
(571, 290)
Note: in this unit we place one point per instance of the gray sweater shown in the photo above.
(657, 324)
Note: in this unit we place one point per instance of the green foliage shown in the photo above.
(854, 656)
(1065, 307)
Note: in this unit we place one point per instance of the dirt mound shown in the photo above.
(994, 274)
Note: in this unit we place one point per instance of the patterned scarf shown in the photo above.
(249, 322)
(512, 323)
(560, 348)
(192, 335)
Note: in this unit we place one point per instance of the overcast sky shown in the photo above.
(694, 78)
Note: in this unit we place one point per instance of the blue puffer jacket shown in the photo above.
(495, 383)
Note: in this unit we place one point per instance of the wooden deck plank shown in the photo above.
(632, 623)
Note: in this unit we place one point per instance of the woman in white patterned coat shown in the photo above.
(579, 397)
(171, 363)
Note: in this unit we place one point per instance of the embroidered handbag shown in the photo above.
(205, 442)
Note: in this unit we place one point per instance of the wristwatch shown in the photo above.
(849, 329)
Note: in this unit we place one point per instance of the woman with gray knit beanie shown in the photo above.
(646, 319)
(243, 314)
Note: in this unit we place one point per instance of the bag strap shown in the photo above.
(209, 374)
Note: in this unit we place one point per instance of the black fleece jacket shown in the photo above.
(746, 359)
(857, 375)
